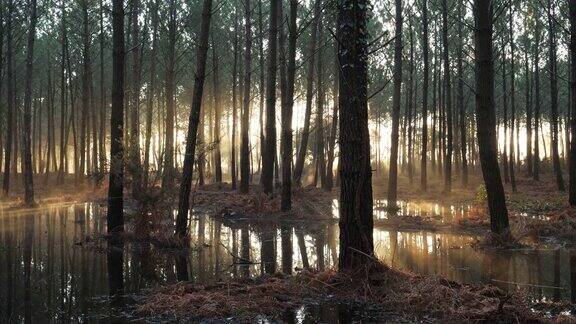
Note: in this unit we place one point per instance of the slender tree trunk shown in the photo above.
(486, 116)
(553, 66)
(461, 104)
(103, 105)
(393, 172)
(115, 217)
(10, 100)
(169, 173)
(234, 106)
(27, 167)
(334, 126)
(287, 108)
(134, 152)
(268, 162)
(424, 152)
(186, 184)
(63, 127)
(245, 123)
(448, 96)
(572, 164)
(151, 89)
(217, 118)
(512, 104)
(536, 158)
(300, 159)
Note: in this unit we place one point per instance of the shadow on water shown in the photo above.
(46, 277)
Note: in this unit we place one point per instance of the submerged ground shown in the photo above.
(55, 266)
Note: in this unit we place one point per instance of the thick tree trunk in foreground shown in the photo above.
(26, 140)
(356, 220)
(199, 76)
(486, 116)
(270, 153)
(115, 217)
(393, 172)
(573, 102)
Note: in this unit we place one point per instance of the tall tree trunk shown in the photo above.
(26, 140)
(486, 116)
(169, 174)
(10, 94)
(115, 217)
(63, 127)
(186, 184)
(393, 172)
(287, 108)
(151, 89)
(268, 162)
(553, 67)
(334, 125)
(233, 140)
(356, 221)
(320, 99)
(134, 140)
(536, 158)
(529, 113)
(512, 103)
(424, 152)
(461, 104)
(448, 96)
(217, 118)
(103, 105)
(301, 157)
(572, 165)
(245, 123)
(86, 87)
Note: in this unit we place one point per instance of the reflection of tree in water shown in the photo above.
(268, 251)
(287, 251)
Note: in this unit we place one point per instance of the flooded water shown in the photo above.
(45, 276)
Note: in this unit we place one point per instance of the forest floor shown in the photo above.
(49, 193)
(537, 210)
(384, 294)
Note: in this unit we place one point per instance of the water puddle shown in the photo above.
(46, 277)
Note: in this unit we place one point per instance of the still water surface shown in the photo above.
(46, 276)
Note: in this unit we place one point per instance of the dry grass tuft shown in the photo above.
(376, 284)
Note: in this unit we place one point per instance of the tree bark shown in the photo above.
(217, 116)
(10, 91)
(301, 157)
(199, 76)
(270, 152)
(356, 220)
(245, 123)
(27, 140)
(486, 116)
(287, 108)
(512, 103)
(572, 164)
(424, 152)
(115, 216)
(393, 171)
(169, 173)
(553, 67)
(134, 141)
(448, 96)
